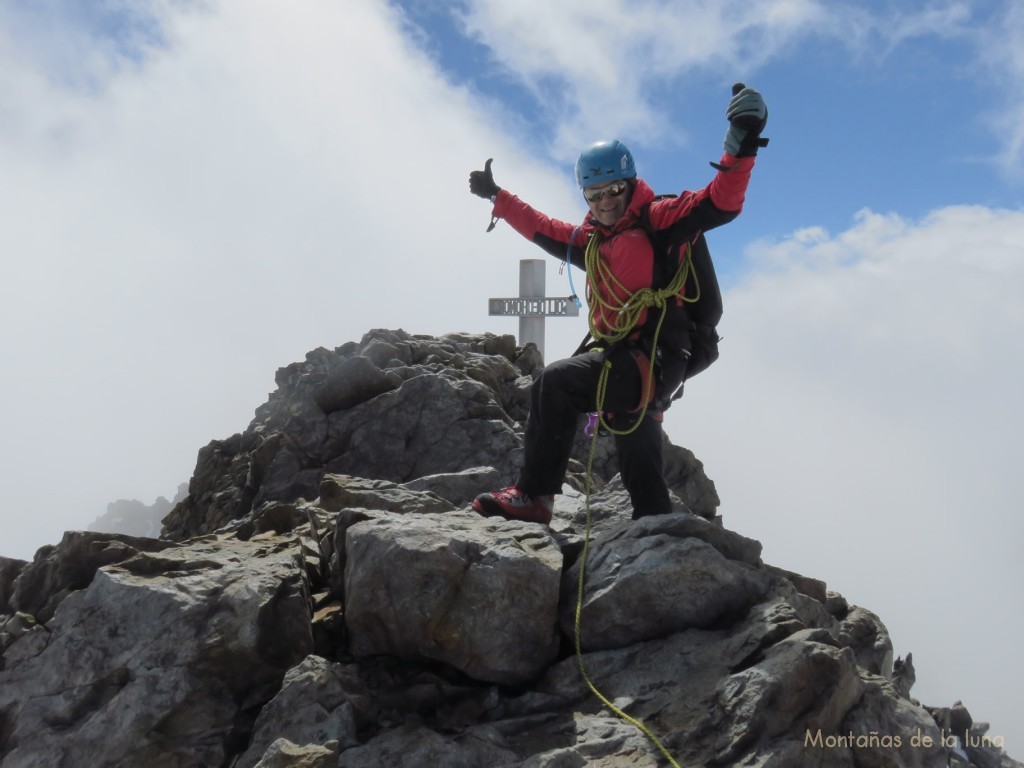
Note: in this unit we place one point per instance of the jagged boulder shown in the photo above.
(393, 407)
(320, 703)
(338, 492)
(352, 613)
(59, 570)
(805, 682)
(863, 631)
(479, 595)
(659, 576)
(905, 734)
(10, 569)
(158, 660)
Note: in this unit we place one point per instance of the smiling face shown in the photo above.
(608, 201)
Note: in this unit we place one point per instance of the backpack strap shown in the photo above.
(659, 278)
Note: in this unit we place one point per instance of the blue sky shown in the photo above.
(911, 100)
(198, 192)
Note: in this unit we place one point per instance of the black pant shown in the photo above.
(568, 388)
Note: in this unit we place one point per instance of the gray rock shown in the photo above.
(319, 702)
(597, 739)
(16, 627)
(659, 576)
(904, 675)
(609, 508)
(10, 569)
(731, 545)
(883, 711)
(804, 683)
(863, 631)
(429, 425)
(478, 594)
(717, 695)
(685, 476)
(339, 492)
(343, 607)
(353, 381)
(59, 570)
(813, 588)
(228, 479)
(416, 745)
(156, 660)
(394, 407)
(458, 488)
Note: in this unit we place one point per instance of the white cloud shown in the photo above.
(897, 25)
(597, 64)
(180, 228)
(864, 423)
(1001, 48)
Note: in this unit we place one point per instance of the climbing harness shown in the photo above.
(626, 313)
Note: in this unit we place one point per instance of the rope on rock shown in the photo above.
(626, 314)
(639, 725)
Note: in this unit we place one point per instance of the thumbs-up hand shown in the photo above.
(481, 183)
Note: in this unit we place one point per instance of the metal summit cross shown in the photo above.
(531, 305)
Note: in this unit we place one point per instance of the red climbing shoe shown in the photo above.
(512, 504)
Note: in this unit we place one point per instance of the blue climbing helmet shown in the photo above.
(604, 161)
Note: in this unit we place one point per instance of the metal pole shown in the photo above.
(531, 286)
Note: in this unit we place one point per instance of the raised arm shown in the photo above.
(722, 200)
(550, 234)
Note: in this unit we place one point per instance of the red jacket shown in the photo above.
(626, 247)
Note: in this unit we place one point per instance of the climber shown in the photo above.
(614, 245)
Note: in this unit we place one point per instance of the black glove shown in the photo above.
(748, 115)
(481, 183)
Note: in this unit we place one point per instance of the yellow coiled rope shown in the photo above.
(626, 315)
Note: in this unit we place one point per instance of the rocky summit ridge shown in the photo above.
(324, 596)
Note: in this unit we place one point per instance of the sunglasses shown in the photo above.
(612, 190)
